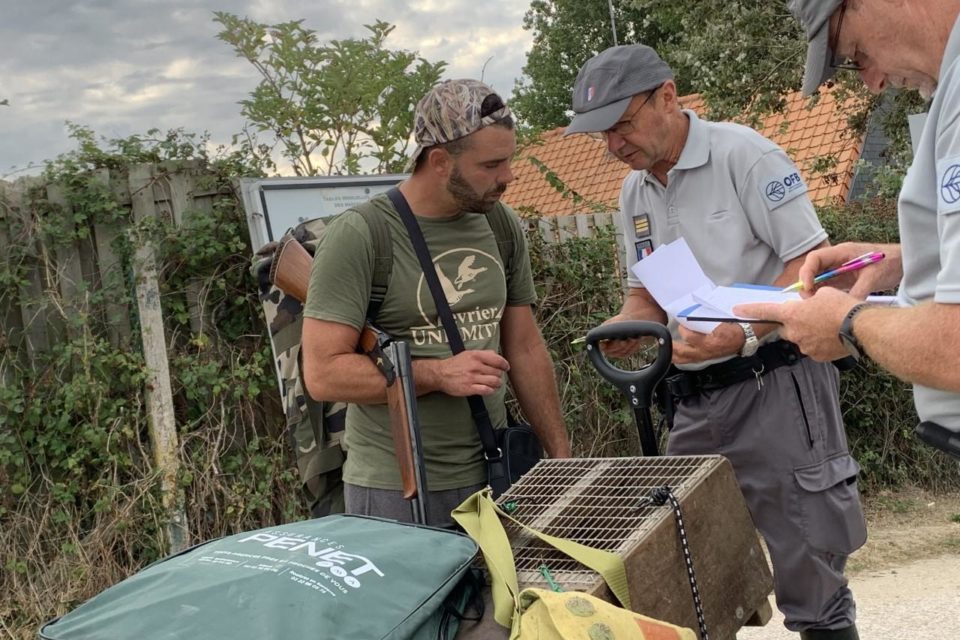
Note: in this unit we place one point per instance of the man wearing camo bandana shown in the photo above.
(460, 169)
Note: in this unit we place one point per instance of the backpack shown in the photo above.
(324, 579)
(315, 429)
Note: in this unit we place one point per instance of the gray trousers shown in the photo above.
(385, 503)
(788, 448)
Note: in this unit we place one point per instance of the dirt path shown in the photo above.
(906, 579)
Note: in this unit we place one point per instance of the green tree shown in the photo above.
(565, 34)
(741, 55)
(332, 108)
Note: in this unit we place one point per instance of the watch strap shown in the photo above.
(847, 335)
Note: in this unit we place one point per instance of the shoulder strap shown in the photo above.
(383, 258)
(481, 417)
(480, 516)
(502, 228)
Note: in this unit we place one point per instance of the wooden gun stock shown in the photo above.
(290, 270)
(402, 442)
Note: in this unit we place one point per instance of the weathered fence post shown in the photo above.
(159, 395)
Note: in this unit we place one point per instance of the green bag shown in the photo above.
(328, 578)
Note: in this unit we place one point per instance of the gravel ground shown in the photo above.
(914, 601)
(906, 579)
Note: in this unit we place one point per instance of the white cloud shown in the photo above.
(124, 66)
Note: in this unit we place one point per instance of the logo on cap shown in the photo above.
(589, 94)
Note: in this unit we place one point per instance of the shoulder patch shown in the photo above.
(779, 189)
(948, 185)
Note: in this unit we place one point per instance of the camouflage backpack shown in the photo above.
(315, 429)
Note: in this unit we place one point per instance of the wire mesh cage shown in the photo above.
(605, 503)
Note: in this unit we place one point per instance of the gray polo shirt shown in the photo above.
(929, 213)
(736, 198)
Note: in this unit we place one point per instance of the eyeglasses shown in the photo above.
(624, 127)
(837, 62)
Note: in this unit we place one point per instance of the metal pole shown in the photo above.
(613, 22)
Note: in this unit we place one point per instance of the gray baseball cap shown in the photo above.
(609, 80)
(814, 15)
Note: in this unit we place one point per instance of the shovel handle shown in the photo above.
(637, 385)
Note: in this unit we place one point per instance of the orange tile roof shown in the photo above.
(582, 165)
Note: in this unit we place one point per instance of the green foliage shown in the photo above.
(565, 34)
(741, 56)
(878, 408)
(330, 107)
(79, 492)
(578, 287)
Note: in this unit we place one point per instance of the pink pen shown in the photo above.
(851, 265)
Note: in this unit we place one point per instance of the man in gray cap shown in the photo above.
(465, 142)
(739, 391)
(913, 45)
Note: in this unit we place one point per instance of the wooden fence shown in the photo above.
(62, 268)
(60, 278)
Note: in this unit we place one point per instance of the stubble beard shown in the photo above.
(468, 199)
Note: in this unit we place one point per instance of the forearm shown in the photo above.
(535, 385)
(349, 377)
(637, 305)
(918, 344)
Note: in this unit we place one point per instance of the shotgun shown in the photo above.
(406, 429)
(290, 272)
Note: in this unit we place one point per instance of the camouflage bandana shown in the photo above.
(452, 110)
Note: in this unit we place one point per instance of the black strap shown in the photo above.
(481, 417)
(658, 497)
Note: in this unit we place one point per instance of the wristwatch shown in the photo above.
(750, 342)
(847, 337)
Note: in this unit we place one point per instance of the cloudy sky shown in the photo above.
(122, 67)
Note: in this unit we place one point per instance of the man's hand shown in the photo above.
(695, 347)
(471, 372)
(620, 348)
(812, 324)
(879, 276)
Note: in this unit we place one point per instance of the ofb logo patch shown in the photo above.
(781, 188)
(950, 184)
(776, 191)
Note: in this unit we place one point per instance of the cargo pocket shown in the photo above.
(830, 508)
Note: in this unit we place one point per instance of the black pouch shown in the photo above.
(521, 450)
(940, 437)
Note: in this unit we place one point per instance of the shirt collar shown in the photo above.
(696, 151)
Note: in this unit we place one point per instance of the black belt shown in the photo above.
(682, 384)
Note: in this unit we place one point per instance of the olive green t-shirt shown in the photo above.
(468, 263)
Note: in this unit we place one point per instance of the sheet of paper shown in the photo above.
(671, 272)
(724, 299)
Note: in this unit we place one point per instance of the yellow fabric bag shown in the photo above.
(539, 614)
(548, 615)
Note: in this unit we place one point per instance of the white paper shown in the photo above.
(676, 281)
(671, 272)
(724, 299)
